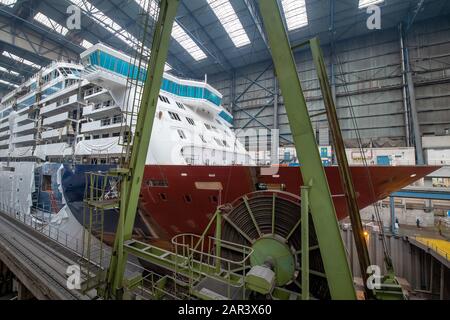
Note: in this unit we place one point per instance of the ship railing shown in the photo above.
(150, 285)
(217, 268)
(433, 245)
(53, 232)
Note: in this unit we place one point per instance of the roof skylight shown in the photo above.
(50, 23)
(9, 83)
(366, 3)
(9, 71)
(230, 21)
(8, 3)
(21, 60)
(295, 13)
(103, 20)
(187, 43)
(178, 33)
(86, 44)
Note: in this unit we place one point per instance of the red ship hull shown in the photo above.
(171, 202)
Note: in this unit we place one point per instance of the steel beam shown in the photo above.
(251, 6)
(33, 42)
(344, 168)
(339, 277)
(132, 180)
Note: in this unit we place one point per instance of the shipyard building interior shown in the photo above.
(197, 150)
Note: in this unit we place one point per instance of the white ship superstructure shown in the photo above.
(190, 127)
(75, 112)
(72, 113)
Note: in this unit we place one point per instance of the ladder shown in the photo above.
(137, 75)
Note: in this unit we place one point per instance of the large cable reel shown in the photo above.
(270, 223)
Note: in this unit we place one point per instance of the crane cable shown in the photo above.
(386, 251)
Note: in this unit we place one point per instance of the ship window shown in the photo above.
(187, 198)
(207, 126)
(162, 196)
(96, 136)
(218, 142)
(180, 105)
(164, 99)
(203, 138)
(191, 121)
(174, 116)
(106, 122)
(46, 182)
(117, 118)
(87, 138)
(116, 134)
(181, 134)
(157, 183)
(213, 199)
(225, 143)
(218, 121)
(105, 135)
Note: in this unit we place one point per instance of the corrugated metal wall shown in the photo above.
(368, 78)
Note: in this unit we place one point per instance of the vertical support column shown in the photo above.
(332, 52)
(218, 236)
(404, 88)
(392, 211)
(339, 277)
(275, 143)
(412, 102)
(441, 291)
(142, 136)
(305, 242)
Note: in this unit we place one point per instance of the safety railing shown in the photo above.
(204, 258)
(432, 244)
(45, 228)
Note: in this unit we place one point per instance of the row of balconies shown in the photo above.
(96, 94)
(24, 119)
(24, 139)
(101, 126)
(58, 133)
(54, 108)
(4, 125)
(27, 128)
(56, 121)
(94, 112)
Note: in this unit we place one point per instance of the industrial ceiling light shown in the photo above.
(230, 21)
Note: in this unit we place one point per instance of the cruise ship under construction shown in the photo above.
(137, 169)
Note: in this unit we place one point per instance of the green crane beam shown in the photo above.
(323, 213)
(132, 178)
(344, 169)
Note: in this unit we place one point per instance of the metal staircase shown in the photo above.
(101, 194)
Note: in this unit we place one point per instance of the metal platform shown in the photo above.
(38, 262)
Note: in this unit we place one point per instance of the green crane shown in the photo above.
(131, 177)
(316, 197)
